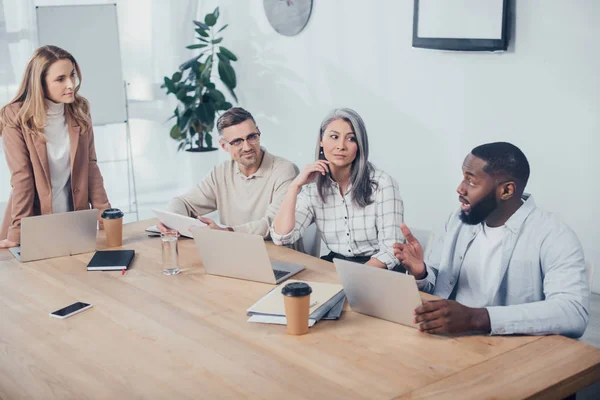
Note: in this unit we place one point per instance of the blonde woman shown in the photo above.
(49, 144)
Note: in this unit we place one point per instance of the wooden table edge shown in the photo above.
(566, 386)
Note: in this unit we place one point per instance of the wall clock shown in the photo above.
(288, 17)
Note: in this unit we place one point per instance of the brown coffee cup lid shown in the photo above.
(112, 213)
(296, 289)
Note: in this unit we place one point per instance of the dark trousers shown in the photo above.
(360, 259)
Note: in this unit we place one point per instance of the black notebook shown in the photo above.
(111, 260)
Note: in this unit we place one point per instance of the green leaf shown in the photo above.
(176, 76)
(206, 113)
(203, 40)
(201, 25)
(181, 93)
(232, 93)
(202, 32)
(181, 146)
(217, 96)
(223, 28)
(210, 19)
(205, 76)
(216, 13)
(183, 121)
(208, 139)
(175, 132)
(196, 46)
(188, 63)
(227, 75)
(188, 100)
(195, 67)
(216, 41)
(222, 57)
(227, 53)
(170, 86)
(210, 85)
(226, 106)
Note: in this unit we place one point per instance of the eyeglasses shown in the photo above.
(251, 139)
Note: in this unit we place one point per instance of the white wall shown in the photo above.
(426, 109)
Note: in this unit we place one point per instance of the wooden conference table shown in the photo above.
(186, 336)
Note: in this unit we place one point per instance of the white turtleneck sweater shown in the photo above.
(59, 159)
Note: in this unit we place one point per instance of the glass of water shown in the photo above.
(170, 252)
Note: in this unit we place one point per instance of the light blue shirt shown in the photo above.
(543, 287)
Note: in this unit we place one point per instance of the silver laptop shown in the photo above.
(57, 235)
(240, 255)
(380, 293)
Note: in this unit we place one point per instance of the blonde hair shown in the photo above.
(31, 117)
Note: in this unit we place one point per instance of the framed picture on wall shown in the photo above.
(463, 25)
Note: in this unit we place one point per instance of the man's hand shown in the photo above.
(210, 224)
(162, 227)
(5, 244)
(451, 317)
(410, 254)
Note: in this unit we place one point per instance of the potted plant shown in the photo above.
(193, 85)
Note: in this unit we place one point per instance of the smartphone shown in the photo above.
(70, 310)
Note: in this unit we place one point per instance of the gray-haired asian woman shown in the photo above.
(356, 207)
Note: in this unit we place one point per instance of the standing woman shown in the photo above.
(49, 144)
(356, 207)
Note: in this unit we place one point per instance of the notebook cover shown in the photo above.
(111, 260)
(323, 298)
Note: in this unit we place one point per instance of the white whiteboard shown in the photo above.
(91, 34)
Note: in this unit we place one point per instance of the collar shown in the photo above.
(336, 186)
(516, 221)
(54, 109)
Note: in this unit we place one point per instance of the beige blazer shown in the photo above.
(27, 161)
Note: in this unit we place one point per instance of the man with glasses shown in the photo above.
(247, 190)
(503, 266)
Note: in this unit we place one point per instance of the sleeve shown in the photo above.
(200, 200)
(21, 174)
(390, 214)
(565, 309)
(261, 227)
(96, 191)
(304, 217)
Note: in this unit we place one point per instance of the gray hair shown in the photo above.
(361, 170)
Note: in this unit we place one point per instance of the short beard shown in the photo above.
(481, 210)
(248, 163)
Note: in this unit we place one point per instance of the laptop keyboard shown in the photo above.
(279, 273)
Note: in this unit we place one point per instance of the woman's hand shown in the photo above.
(310, 173)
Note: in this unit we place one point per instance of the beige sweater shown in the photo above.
(245, 203)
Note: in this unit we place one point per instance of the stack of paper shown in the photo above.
(326, 302)
(181, 221)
